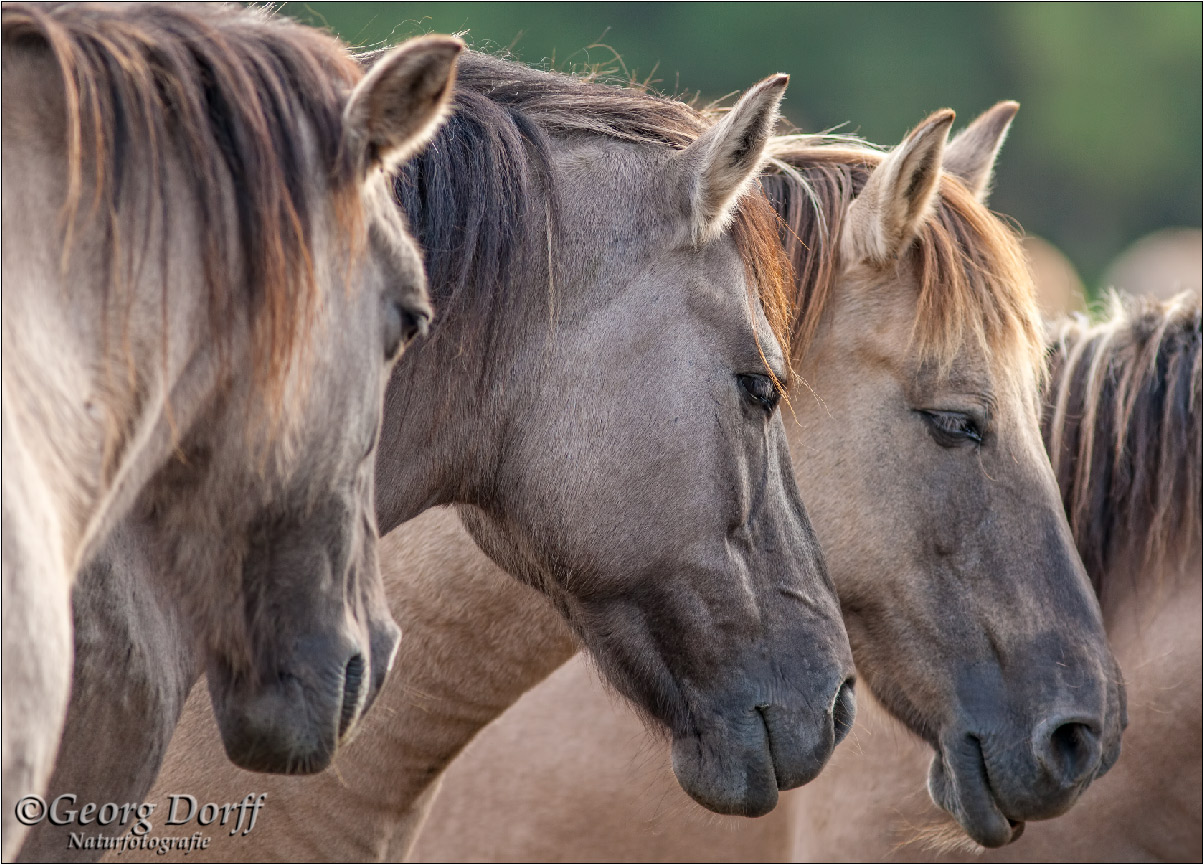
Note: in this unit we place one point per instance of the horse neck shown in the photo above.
(479, 640)
(436, 424)
(449, 404)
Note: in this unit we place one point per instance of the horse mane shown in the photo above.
(483, 192)
(1122, 426)
(974, 284)
(237, 95)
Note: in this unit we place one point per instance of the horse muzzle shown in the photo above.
(293, 721)
(738, 765)
(993, 791)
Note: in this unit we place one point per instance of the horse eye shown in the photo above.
(402, 324)
(760, 389)
(952, 428)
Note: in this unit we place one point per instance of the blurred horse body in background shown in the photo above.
(1160, 265)
(191, 295)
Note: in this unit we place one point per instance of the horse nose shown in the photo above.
(844, 709)
(1068, 748)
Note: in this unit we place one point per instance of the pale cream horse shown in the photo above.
(205, 287)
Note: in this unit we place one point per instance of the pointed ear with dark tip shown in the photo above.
(721, 164)
(898, 197)
(970, 156)
(401, 103)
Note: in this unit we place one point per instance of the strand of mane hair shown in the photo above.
(235, 95)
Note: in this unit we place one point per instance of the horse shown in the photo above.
(460, 675)
(201, 264)
(588, 244)
(1123, 428)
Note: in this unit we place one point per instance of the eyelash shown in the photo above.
(953, 428)
(761, 390)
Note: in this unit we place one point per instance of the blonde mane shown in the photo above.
(974, 284)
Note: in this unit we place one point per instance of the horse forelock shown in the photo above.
(483, 197)
(974, 285)
(1123, 428)
(240, 99)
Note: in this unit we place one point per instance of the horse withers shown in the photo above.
(206, 285)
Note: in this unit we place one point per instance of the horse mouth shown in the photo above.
(958, 782)
(743, 782)
(739, 765)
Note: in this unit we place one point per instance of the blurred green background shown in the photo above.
(1106, 147)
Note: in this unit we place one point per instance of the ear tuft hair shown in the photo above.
(898, 197)
(724, 161)
(401, 103)
(970, 156)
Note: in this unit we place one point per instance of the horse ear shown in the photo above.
(898, 197)
(970, 156)
(721, 164)
(401, 103)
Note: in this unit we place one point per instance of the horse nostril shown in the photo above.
(1069, 749)
(353, 678)
(844, 709)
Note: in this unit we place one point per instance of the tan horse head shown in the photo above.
(206, 285)
(970, 615)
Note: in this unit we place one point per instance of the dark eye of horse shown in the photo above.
(952, 428)
(761, 390)
(401, 326)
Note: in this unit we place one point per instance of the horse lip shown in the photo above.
(750, 792)
(962, 787)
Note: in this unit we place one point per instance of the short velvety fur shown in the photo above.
(545, 201)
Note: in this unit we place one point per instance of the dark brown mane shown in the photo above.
(237, 96)
(483, 193)
(974, 283)
(1122, 426)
